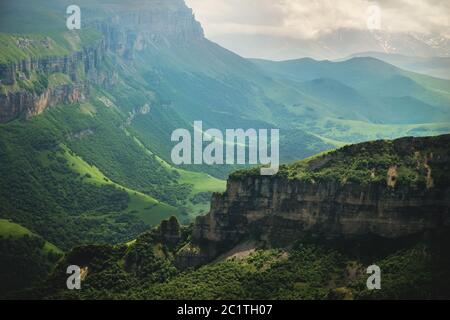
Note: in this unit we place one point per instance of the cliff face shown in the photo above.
(28, 104)
(19, 100)
(280, 210)
(129, 28)
(147, 23)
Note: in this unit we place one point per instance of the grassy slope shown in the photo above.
(47, 187)
(25, 258)
(150, 210)
(18, 47)
(10, 229)
(14, 230)
(199, 181)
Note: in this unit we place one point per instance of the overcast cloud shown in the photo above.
(306, 19)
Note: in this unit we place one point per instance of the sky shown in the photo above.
(308, 19)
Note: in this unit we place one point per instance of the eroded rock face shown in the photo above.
(170, 231)
(130, 28)
(28, 104)
(280, 210)
(23, 102)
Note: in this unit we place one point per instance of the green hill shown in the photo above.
(26, 259)
(13, 230)
(42, 158)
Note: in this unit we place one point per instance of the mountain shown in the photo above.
(336, 44)
(362, 92)
(308, 233)
(86, 116)
(199, 79)
(438, 67)
(81, 131)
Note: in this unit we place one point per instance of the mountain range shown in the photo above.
(86, 117)
(337, 44)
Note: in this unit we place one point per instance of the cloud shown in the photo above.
(310, 18)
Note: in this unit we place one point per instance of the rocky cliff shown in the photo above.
(378, 189)
(143, 24)
(28, 104)
(24, 87)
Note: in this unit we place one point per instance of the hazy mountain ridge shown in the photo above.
(438, 67)
(383, 95)
(337, 44)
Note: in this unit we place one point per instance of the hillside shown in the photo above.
(438, 67)
(26, 258)
(82, 144)
(251, 247)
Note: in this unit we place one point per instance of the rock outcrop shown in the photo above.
(170, 231)
(28, 104)
(279, 210)
(21, 101)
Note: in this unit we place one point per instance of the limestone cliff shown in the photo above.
(124, 29)
(27, 90)
(348, 193)
(29, 104)
(143, 24)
